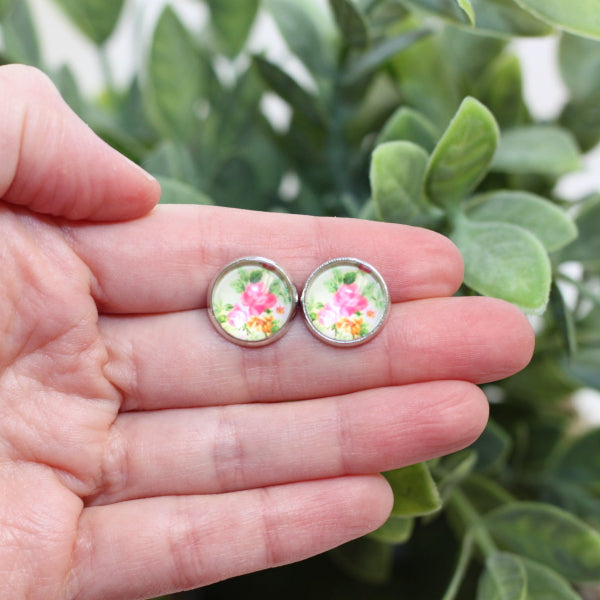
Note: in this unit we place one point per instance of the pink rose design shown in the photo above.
(257, 298)
(328, 315)
(349, 300)
(238, 316)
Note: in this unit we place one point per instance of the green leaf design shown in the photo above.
(545, 584)
(550, 536)
(578, 16)
(232, 20)
(504, 261)
(287, 87)
(177, 192)
(504, 578)
(409, 125)
(97, 19)
(175, 79)
(301, 33)
(396, 530)
(20, 36)
(350, 277)
(537, 150)
(397, 178)
(415, 492)
(351, 22)
(463, 155)
(552, 226)
(256, 276)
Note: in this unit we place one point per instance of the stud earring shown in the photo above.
(345, 302)
(252, 301)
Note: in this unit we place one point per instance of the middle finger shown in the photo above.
(178, 360)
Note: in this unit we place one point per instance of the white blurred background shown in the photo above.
(61, 43)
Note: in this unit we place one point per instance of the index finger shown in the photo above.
(166, 261)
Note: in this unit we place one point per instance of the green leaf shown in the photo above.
(504, 261)
(351, 22)
(66, 83)
(586, 248)
(550, 536)
(564, 319)
(397, 176)
(502, 91)
(172, 160)
(501, 17)
(175, 79)
(381, 53)
(95, 18)
(5, 7)
(579, 461)
(552, 226)
(435, 91)
(232, 20)
(256, 276)
(409, 125)
(396, 530)
(492, 447)
(177, 192)
(585, 366)
(577, 16)
(287, 88)
(365, 559)
(20, 36)
(415, 492)
(299, 30)
(504, 578)
(463, 155)
(545, 584)
(537, 150)
(484, 493)
(467, 7)
(579, 60)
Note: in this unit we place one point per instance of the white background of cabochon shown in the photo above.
(544, 91)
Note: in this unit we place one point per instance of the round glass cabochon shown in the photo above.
(345, 302)
(252, 301)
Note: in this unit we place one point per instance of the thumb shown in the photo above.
(53, 163)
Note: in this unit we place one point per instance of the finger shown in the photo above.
(166, 261)
(146, 548)
(54, 164)
(179, 360)
(225, 449)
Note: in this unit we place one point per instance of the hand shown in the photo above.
(140, 452)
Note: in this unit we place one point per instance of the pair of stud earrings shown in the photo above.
(253, 301)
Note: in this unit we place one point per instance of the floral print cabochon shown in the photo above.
(252, 301)
(345, 302)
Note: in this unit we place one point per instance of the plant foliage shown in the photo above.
(408, 111)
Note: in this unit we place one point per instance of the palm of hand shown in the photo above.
(57, 405)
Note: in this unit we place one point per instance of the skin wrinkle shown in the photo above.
(228, 456)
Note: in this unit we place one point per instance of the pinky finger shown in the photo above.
(145, 548)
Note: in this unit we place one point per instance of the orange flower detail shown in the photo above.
(371, 314)
(280, 310)
(351, 326)
(261, 324)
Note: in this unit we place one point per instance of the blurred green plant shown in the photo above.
(409, 111)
